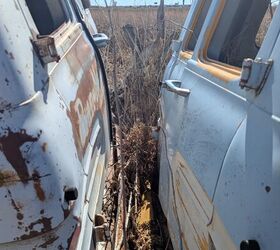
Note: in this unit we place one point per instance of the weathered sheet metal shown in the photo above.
(219, 161)
(49, 138)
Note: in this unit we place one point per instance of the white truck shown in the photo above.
(219, 181)
(54, 125)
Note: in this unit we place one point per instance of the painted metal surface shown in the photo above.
(219, 160)
(54, 135)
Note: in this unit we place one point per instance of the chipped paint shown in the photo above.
(37, 186)
(17, 207)
(10, 144)
(73, 239)
(83, 111)
(8, 177)
(49, 241)
(43, 221)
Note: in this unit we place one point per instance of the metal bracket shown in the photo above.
(101, 232)
(45, 46)
(254, 74)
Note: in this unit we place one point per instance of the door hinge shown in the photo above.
(101, 232)
(254, 74)
(45, 47)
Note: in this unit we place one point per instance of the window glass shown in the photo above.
(48, 15)
(235, 36)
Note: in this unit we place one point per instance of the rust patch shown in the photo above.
(48, 242)
(17, 207)
(87, 103)
(8, 178)
(73, 239)
(44, 147)
(37, 186)
(46, 222)
(203, 243)
(4, 106)
(20, 216)
(10, 144)
(66, 212)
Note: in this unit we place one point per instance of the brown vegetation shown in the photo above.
(140, 48)
(140, 67)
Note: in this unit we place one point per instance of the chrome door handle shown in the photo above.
(175, 87)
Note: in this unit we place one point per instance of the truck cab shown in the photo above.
(55, 125)
(219, 181)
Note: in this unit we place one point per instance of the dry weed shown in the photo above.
(141, 57)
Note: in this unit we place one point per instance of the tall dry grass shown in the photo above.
(138, 84)
(141, 54)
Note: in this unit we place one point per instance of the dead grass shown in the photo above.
(264, 26)
(138, 86)
(141, 56)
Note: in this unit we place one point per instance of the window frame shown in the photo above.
(218, 69)
(185, 53)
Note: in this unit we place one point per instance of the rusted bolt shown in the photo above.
(249, 245)
(70, 194)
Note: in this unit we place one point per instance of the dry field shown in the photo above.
(139, 83)
(138, 53)
(138, 16)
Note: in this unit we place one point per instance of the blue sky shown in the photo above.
(137, 2)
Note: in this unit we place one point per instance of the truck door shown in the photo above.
(203, 88)
(76, 73)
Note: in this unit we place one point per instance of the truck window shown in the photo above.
(48, 15)
(234, 38)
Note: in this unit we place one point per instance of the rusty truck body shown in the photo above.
(219, 181)
(54, 124)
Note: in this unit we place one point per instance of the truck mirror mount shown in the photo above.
(101, 40)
